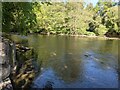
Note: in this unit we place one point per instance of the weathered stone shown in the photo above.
(5, 82)
(23, 72)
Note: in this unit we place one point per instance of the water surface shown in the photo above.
(74, 62)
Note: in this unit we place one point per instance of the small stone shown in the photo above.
(69, 53)
(86, 55)
(102, 62)
(41, 68)
(54, 54)
(65, 66)
(108, 67)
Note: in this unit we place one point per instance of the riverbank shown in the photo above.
(18, 66)
(5, 82)
(80, 36)
(86, 36)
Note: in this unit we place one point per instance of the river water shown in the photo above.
(74, 62)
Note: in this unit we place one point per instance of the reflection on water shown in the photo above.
(69, 62)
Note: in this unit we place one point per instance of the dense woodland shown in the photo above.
(70, 18)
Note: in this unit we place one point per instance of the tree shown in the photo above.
(89, 6)
(105, 19)
(18, 17)
(61, 18)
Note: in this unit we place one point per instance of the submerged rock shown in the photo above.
(87, 54)
(25, 70)
(48, 86)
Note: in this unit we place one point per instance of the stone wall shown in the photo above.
(5, 82)
(18, 66)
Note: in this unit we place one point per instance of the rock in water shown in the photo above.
(48, 86)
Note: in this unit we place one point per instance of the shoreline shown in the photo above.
(28, 70)
(81, 36)
(96, 37)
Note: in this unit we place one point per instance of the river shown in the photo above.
(74, 62)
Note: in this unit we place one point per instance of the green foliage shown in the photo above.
(61, 18)
(101, 30)
(105, 20)
(17, 17)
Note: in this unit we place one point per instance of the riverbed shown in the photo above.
(73, 62)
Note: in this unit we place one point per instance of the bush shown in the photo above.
(101, 30)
